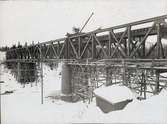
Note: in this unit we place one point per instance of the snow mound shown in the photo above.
(151, 110)
(114, 94)
(10, 83)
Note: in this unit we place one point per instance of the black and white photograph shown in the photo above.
(83, 61)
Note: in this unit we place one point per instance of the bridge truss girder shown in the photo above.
(108, 43)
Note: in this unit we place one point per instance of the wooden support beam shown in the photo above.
(124, 73)
(144, 76)
(157, 82)
(108, 77)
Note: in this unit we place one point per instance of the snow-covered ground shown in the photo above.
(24, 107)
(2, 56)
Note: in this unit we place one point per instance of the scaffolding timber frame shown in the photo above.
(119, 54)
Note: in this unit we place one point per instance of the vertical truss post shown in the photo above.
(79, 46)
(129, 41)
(158, 41)
(109, 44)
(160, 50)
(67, 49)
(93, 48)
(143, 46)
(125, 46)
(58, 48)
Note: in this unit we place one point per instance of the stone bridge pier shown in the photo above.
(66, 84)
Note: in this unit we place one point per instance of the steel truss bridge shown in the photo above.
(119, 54)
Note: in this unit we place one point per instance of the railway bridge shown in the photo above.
(133, 54)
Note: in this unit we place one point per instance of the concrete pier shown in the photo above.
(66, 87)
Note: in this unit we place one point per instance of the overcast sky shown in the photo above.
(48, 20)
